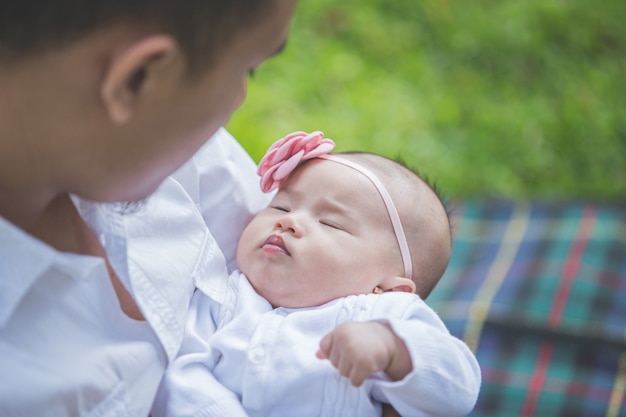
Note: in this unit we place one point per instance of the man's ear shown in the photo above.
(129, 72)
(398, 284)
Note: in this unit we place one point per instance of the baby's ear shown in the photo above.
(398, 284)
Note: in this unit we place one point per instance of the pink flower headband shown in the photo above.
(287, 153)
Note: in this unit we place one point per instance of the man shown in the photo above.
(100, 101)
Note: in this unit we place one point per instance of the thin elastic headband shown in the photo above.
(391, 208)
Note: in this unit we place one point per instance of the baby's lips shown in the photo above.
(276, 241)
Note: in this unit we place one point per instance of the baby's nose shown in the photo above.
(289, 223)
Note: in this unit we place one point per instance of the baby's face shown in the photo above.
(326, 234)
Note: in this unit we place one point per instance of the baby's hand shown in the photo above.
(358, 349)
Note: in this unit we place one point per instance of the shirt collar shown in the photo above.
(24, 259)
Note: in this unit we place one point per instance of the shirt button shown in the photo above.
(257, 355)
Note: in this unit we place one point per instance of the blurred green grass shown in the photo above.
(521, 99)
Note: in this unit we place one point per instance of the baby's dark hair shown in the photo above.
(432, 184)
(201, 27)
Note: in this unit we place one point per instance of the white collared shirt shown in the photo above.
(66, 348)
(243, 357)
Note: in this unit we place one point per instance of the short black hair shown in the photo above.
(400, 161)
(430, 183)
(201, 27)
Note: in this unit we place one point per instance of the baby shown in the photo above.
(326, 316)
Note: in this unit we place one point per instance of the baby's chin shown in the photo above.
(281, 291)
(299, 302)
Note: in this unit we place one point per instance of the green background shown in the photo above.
(521, 99)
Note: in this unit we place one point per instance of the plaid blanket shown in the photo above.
(538, 291)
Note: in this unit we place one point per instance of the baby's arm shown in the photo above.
(344, 347)
(429, 371)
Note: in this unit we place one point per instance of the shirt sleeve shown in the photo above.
(188, 387)
(221, 178)
(445, 379)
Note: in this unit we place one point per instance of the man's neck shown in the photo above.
(61, 226)
(24, 193)
(26, 186)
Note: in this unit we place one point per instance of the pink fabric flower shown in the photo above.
(285, 155)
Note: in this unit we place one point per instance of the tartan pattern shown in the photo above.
(538, 291)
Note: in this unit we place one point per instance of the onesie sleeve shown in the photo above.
(445, 379)
(221, 178)
(188, 387)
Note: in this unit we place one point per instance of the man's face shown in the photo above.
(175, 116)
(326, 234)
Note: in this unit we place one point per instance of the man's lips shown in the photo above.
(275, 243)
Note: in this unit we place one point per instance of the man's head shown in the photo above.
(202, 28)
(104, 99)
(327, 234)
